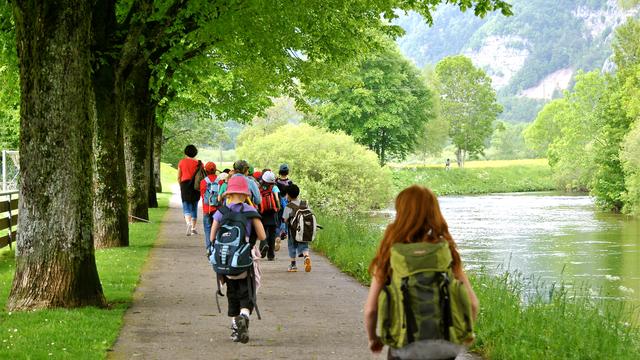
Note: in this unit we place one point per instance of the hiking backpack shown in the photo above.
(198, 176)
(302, 223)
(231, 253)
(211, 193)
(268, 204)
(422, 300)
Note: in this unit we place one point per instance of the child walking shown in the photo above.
(240, 286)
(418, 266)
(295, 248)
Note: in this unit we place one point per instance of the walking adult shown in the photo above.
(187, 168)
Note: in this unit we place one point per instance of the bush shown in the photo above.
(333, 172)
(631, 166)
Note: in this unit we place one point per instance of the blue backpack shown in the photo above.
(211, 193)
(231, 253)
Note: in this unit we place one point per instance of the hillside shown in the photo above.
(531, 56)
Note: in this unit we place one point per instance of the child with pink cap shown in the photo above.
(240, 286)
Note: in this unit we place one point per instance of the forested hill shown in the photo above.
(534, 53)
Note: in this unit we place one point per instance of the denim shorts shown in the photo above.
(190, 209)
(296, 248)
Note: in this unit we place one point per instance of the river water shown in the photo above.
(550, 238)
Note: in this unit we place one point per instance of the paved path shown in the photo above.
(316, 315)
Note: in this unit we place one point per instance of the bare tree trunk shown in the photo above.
(459, 157)
(153, 199)
(111, 227)
(157, 156)
(135, 109)
(55, 262)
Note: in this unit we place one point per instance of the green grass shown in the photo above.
(560, 324)
(497, 177)
(85, 333)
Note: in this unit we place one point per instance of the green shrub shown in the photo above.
(631, 166)
(332, 171)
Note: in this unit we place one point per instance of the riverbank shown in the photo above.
(83, 333)
(558, 324)
(479, 177)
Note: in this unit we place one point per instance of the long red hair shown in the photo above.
(418, 219)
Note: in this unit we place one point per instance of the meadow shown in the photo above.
(84, 333)
(478, 177)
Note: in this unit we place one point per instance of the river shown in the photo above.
(550, 238)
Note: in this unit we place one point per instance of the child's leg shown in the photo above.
(292, 254)
(304, 248)
(240, 307)
(194, 216)
(186, 210)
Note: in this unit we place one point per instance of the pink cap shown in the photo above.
(238, 185)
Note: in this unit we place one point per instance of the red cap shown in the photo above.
(210, 167)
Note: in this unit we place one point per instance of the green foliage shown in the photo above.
(333, 172)
(545, 129)
(9, 82)
(631, 165)
(468, 103)
(434, 137)
(184, 128)
(519, 109)
(507, 142)
(282, 112)
(83, 333)
(383, 104)
(517, 178)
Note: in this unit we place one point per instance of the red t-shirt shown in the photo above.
(203, 187)
(187, 168)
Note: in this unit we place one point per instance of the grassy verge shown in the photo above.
(85, 333)
(563, 325)
(495, 177)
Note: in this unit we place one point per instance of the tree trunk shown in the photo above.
(157, 156)
(459, 158)
(135, 100)
(153, 199)
(111, 227)
(55, 262)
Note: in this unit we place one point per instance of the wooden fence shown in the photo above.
(8, 217)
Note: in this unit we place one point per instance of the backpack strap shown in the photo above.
(206, 178)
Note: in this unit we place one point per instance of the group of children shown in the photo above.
(260, 201)
(420, 303)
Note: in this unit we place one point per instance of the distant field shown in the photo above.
(479, 177)
(478, 164)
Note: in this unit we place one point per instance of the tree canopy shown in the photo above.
(384, 104)
(468, 102)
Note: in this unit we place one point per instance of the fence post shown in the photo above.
(4, 170)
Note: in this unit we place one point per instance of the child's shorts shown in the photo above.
(238, 296)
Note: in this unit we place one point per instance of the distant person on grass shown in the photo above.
(295, 248)
(447, 165)
(240, 286)
(427, 305)
(187, 168)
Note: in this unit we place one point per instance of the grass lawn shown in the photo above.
(565, 325)
(85, 333)
(480, 177)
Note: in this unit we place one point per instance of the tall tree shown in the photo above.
(383, 104)
(55, 263)
(469, 104)
(9, 82)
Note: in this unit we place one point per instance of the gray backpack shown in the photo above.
(302, 223)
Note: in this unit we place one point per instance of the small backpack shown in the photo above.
(422, 300)
(269, 204)
(231, 253)
(198, 176)
(211, 192)
(302, 223)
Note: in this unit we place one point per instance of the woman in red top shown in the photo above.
(187, 168)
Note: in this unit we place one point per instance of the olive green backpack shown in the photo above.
(423, 300)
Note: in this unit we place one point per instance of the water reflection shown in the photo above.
(554, 237)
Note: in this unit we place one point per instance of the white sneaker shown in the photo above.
(188, 229)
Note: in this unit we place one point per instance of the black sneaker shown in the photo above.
(234, 333)
(263, 251)
(242, 323)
